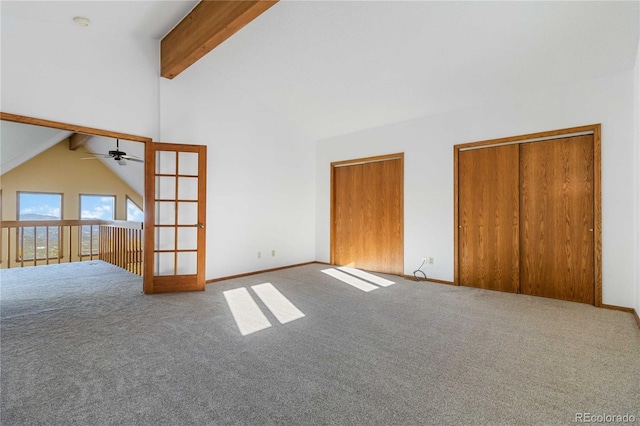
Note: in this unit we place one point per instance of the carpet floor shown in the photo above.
(81, 345)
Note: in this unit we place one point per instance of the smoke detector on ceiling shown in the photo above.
(81, 21)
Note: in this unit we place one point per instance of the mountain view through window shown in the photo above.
(33, 241)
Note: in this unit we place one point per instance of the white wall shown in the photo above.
(261, 173)
(428, 146)
(69, 74)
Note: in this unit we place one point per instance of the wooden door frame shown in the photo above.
(84, 130)
(5, 116)
(365, 160)
(148, 227)
(597, 191)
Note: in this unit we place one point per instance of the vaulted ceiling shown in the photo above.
(339, 67)
(146, 19)
(334, 67)
(21, 142)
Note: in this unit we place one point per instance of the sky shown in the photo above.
(43, 204)
(97, 207)
(93, 206)
(134, 213)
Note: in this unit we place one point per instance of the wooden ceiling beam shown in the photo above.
(77, 140)
(205, 27)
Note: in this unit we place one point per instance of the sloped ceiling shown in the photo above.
(335, 67)
(133, 172)
(21, 142)
(338, 67)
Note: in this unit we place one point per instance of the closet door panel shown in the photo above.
(488, 218)
(368, 214)
(556, 224)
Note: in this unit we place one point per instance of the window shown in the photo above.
(134, 213)
(39, 242)
(100, 207)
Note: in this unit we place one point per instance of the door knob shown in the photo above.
(201, 225)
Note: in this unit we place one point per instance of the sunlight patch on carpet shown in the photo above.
(382, 282)
(280, 306)
(245, 311)
(350, 279)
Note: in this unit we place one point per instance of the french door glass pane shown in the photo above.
(187, 238)
(165, 213)
(188, 163)
(165, 187)
(187, 263)
(165, 162)
(187, 188)
(165, 239)
(164, 264)
(187, 213)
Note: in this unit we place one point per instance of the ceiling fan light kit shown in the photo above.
(117, 155)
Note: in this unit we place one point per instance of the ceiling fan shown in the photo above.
(117, 155)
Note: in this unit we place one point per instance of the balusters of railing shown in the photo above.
(122, 245)
(119, 242)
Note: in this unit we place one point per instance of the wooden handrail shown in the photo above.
(123, 224)
(70, 222)
(38, 223)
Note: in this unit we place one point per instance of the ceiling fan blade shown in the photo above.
(136, 160)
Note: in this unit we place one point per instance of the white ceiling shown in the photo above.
(147, 19)
(140, 18)
(334, 67)
(338, 67)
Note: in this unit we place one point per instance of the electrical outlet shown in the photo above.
(259, 254)
(431, 261)
(273, 253)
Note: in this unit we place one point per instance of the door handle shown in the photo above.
(201, 225)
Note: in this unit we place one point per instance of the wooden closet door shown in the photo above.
(488, 218)
(348, 215)
(556, 225)
(368, 216)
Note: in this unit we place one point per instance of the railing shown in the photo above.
(121, 245)
(45, 242)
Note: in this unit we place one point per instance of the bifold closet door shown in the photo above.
(557, 219)
(488, 218)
